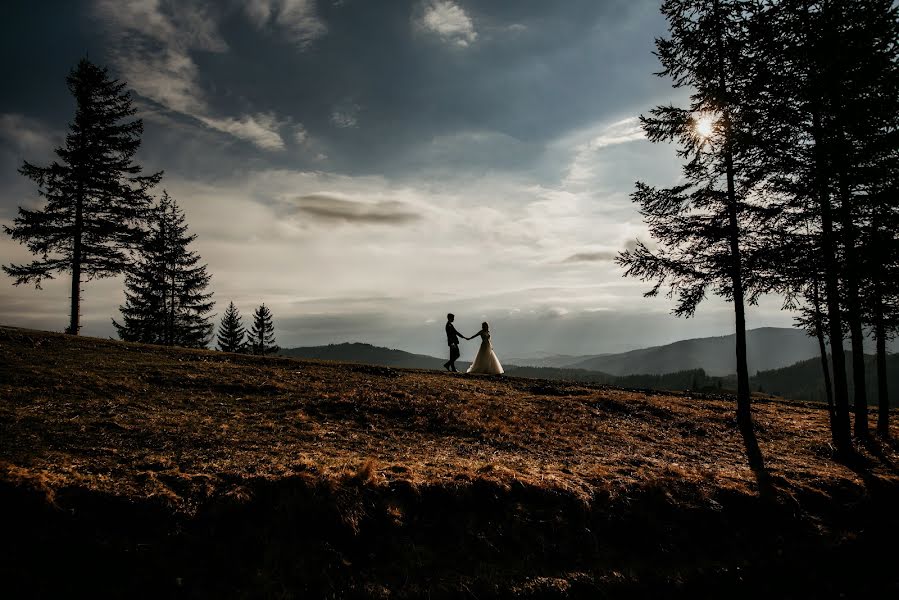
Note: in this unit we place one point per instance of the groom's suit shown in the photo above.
(452, 340)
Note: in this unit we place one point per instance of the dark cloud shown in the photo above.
(328, 208)
(591, 257)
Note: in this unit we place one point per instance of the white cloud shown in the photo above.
(296, 18)
(449, 21)
(261, 129)
(583, 166)
(153, 41)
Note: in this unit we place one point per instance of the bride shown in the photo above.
(486, 361)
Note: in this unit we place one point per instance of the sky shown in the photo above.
(364, 167)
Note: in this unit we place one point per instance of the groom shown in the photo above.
(452, 339)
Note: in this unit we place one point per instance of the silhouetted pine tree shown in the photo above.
(96, 198)
(261, 338)
(814, 321)
(231, 332)
(883, 302)
(702, 228)
(870, 117)
(165, 298)
(826, 124)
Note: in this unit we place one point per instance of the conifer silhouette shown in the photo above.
(262, 335)
(704, 226)
(165, 299)
(96, 198)
(231, 333)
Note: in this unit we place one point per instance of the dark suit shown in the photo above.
(452, 340)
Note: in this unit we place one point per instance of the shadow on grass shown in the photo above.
(757, 461)
(875, 447)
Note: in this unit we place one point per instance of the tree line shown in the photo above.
(100, 219)
(789, 179)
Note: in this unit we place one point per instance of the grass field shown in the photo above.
(148, 471)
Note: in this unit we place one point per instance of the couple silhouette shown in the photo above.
(485, 362)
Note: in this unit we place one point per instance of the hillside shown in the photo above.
(767, 348)
(141, 471)
(805, 381)
(356, 352)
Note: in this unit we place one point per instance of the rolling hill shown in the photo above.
(356, 352)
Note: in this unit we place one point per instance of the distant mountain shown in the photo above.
(800, 380)
(373, 355)
(767, 348)
(546, 359)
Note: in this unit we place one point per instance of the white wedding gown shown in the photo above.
(486, 362)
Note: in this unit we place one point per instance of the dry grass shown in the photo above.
(190, 430)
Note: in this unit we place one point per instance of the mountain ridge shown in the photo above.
(768, 348)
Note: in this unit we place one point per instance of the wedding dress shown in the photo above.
(486, 362)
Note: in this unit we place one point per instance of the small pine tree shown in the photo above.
(262, 336)
(231, 332)
(165, 298)
(96, 197)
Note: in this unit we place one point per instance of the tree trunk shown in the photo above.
(853, 312)
(841, 434)
(883, 399)
(74, 318)
(822, 347)
(744, 414)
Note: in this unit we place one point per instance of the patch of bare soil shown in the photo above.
(134, 470)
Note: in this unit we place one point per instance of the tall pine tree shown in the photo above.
(96, 198)
(231, 334)
(827, 127)
(262, 335)
(702, 227)
(166, 301)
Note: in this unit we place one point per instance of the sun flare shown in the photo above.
(704, 126)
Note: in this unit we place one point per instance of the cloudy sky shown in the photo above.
(364, 167)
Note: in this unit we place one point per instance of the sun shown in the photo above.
(704, 125)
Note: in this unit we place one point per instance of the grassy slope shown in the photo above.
(164, 471)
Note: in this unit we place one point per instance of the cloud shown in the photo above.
(27, 136)
(153, 42)
(345, 114)
(583, 167)
(296, 18)
(599, 255)
(602, 255)
(335, 209)
(261, 129)
(449, 21)
(300, 135)
(622, 132)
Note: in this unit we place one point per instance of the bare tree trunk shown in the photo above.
(822, 347)
(883, 398)
(744, 414)
(841, 433)
(853, 313)
(75, 316)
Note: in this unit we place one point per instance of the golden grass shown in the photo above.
(312, 479)
(185, 425)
